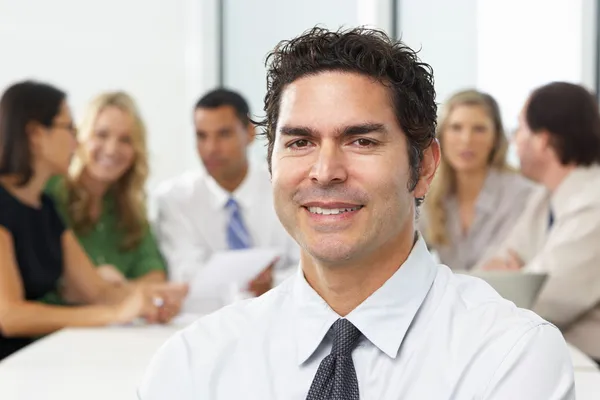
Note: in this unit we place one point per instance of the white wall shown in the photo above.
(525, 44)
(151, 48)
(446, 33)
(253, 28)
(504, 47)
(165, 52)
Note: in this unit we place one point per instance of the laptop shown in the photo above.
(522, 288)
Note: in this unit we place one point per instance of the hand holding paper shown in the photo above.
(237, 267)
(263, 282)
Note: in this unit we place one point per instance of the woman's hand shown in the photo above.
(111, 274)
(136, 304)
(167, 299)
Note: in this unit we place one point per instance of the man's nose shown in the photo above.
(330, 165)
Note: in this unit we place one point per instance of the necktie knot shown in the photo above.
(345, 337)
(336, 377)
(232, 205)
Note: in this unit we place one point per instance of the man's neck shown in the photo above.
(231, 183)
(555, 175)
(469, 185)
(345, 287)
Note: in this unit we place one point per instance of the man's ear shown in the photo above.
(429, 164)
(544, 140)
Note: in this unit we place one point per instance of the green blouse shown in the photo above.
(102, 243)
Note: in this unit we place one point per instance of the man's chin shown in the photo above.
(331, 251)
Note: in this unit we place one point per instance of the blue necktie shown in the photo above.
(237, 234)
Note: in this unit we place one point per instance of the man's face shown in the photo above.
(529, 148)
(340, 168)
(222, 139)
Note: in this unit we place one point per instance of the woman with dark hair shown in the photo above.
(37, 141)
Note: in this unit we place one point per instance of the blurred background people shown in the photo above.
(37, 141)
(228, 207)
(476, 196)
(103, 198)
(558, 143)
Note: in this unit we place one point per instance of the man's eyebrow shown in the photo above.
(297, 131)
(363, 129)
(350, 130)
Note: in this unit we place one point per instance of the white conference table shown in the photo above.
(91, 364)
(108, 363)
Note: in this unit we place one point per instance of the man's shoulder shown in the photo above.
(180, 187)
(214, 333)
(515, 184)
(484, 312)
(580, 192)
(485, 328)
(504, 342)
(537, 196)
(588, 185)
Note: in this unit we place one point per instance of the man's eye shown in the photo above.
(299, 144)
(364, 142)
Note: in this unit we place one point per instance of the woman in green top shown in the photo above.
(103, 198)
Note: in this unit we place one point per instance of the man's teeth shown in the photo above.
(331, 211)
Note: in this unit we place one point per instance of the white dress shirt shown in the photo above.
(427, 334)
(191, 222)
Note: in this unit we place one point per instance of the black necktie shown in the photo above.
(550, 219)
(336, 376)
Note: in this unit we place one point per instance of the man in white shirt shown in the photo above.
(227, 208)
(369, 315)
(558, 233)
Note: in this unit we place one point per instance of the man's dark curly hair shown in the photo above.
(364, 51)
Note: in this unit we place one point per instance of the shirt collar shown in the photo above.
(243, 195)
(383, 318)
(566, 196)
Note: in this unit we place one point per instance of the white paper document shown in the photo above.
(231, 268)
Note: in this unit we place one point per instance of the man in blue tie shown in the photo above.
(226, 207)
(351, 118)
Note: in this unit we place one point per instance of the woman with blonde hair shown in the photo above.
(476, 196)
(103, 199)
(38, 253)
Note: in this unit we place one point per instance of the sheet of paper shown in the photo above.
(231, 268)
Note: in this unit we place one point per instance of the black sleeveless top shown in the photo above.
(36, 234)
